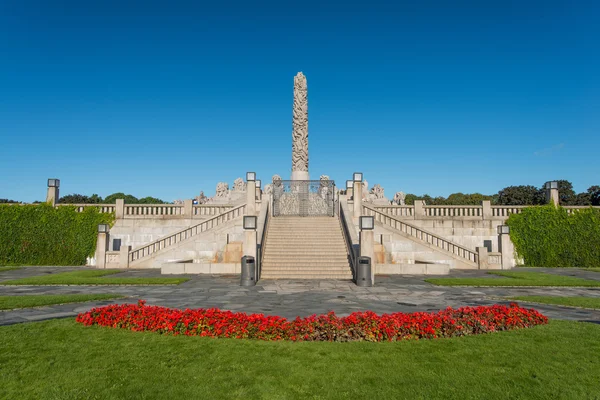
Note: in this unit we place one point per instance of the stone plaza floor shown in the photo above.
(291, 298)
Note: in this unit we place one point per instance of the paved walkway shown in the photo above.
(291, 298)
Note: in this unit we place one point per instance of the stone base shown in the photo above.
(300, 176)
(177, 268)
(412, 269)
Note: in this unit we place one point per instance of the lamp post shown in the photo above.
(52, 195)
(250, 193)
(102, 245)
(349, 186)
(552, 192)
(365, 271)
(357, 179)
(258, 194)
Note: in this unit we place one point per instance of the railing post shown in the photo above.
(486, 209)
(188, 208)
(419, 210)
(120, 209)
(482, 257)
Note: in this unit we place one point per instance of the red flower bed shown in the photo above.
(355, 327)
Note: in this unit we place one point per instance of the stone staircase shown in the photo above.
(305, 248)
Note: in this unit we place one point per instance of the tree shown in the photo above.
(4, 201)
(410, 198)
(566, 194)
(112, 198)
(523, 195)
(594, 192)
(151, 200)
(80, 199)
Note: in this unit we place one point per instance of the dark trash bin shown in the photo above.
(363, 272)
(248, 271)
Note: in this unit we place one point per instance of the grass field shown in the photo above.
(60, 359)
(92, 277)
(586, 302)
(516, 278)
(12, 302)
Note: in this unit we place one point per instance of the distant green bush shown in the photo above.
(43, 235)
(548, 236)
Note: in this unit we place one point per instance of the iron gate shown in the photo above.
(303, 198)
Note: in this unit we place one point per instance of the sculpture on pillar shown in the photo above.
(377, 192)
(324, 186)
(239, 185)
(399, 198)
(201, 198)
(300, 129)
(222, 190)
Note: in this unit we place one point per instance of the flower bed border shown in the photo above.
(358, 326)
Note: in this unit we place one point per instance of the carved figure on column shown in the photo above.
(300, 129)
(399, 198)
(239, 185)
(201, 199)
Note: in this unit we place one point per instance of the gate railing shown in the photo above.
(304, 198)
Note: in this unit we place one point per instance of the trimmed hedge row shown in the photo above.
(40, 234)
(548, 236)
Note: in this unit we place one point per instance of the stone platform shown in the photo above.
(291, 298)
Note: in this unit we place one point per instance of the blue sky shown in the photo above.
(168, 99)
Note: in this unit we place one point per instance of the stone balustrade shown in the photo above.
(103, 208)
(468, 256)
(149, 211)
(482, 212)
(152, 248)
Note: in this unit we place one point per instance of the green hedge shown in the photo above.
(43, 235)
(547, 236)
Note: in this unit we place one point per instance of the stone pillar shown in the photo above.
(552, 196)
(52, 196)
(419, 210)
(120, 209)
(349, 193)
(101, 249)
(250, 241)
(250, 198)
(124, 256)
(188, 208)
(367, 249)
(357, 190)
(487, 209)
(300, 129)
(482, 255)
(505, 247)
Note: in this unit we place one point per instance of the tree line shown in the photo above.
(110, 199)
(522, 195)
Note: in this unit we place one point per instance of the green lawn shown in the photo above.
(92, 277)
(516, 278)
(2, 269)
(586, 302)
(11, 302)
(60, 359)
